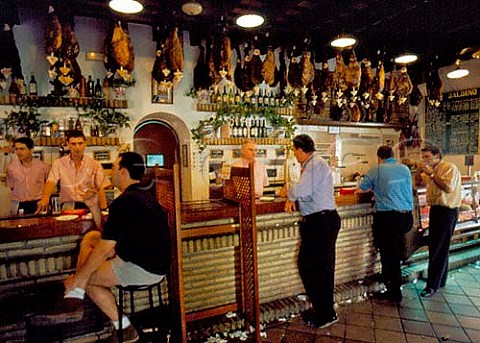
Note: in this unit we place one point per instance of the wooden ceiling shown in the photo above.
(429, 27)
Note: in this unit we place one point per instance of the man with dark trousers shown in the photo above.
(444, 187)
(391, 183)
(318, 230)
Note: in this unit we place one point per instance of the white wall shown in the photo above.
(90, 33)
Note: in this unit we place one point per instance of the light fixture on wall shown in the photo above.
(192, 8)
(343, 41)
(250, 20)
(126, 6)
(406, 58)
(458, 72)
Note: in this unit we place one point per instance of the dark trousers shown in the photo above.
(442, 221)
(316, 260)
(390, 226)
(29, 207)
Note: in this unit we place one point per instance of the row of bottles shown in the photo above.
(245, 128)
(260, 99)
(18, 87)
(92, 89)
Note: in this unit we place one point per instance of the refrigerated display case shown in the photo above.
(466, 231)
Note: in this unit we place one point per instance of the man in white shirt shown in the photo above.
(260, 171)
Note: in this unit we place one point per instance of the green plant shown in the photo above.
(228, 112)
(105, 117)
(26, 119)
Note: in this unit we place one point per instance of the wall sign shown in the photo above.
(453, 126)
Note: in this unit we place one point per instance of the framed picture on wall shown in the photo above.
(162, 92)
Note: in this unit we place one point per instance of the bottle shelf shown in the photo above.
(240, 141)
(91, 141)
(208, 107)
(55, 101)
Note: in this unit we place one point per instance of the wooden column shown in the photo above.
(240, 188)
(168, 195)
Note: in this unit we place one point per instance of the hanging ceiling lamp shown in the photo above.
(343, 41)
(250, 20)
(406, 58)
(458, 72)
(126, 6)
(192, 8)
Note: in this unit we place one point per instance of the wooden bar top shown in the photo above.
(221, 209)
(37, 227)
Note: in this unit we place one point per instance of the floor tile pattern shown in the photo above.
(451, 315)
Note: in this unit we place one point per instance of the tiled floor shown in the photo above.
(451, 315)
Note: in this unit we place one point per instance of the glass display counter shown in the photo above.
(467, 229)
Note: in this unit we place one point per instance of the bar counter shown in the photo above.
(37, 249)
(210, 244)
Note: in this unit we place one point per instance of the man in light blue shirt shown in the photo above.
(318, 230)
(391, 183)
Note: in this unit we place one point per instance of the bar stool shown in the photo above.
(131, 290)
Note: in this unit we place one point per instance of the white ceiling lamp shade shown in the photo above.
(192, 8)
(406, 58)
(250, 20)
(126, 6)
(458, 72)
(343, 42)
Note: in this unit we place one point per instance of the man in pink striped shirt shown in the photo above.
(26, 177)
(81, 178)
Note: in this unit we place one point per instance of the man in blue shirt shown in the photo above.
(318, 230)
(391, 183)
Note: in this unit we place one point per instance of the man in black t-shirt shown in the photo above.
(134, 249)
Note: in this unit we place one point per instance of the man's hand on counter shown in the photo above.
(290, 206)
(283, 192)
(42, 206)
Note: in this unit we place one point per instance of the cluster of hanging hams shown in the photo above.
(61, 49)
(354, 90)
(9, 57)
(119, 54)
(169, 60)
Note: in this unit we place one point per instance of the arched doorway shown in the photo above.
(157, 142)
(164, 138)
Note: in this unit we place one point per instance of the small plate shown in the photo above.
(66, 217)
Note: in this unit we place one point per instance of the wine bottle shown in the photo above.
(237, 97)
(225, 96)
(90, 86)
(244, 129)
(78, 125)
(253, 128)
(98, 89)
(32, 86)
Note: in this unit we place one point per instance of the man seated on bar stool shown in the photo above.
(82, 180)
(133, 250)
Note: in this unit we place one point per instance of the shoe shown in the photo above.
(310, 319)
(428, 292)
(327, 323)
(68, 310)
(130, 335)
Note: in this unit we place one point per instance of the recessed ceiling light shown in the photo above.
(343, 42)
(458, 73)
(250, 20)
(406, 58)
(126, 6)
